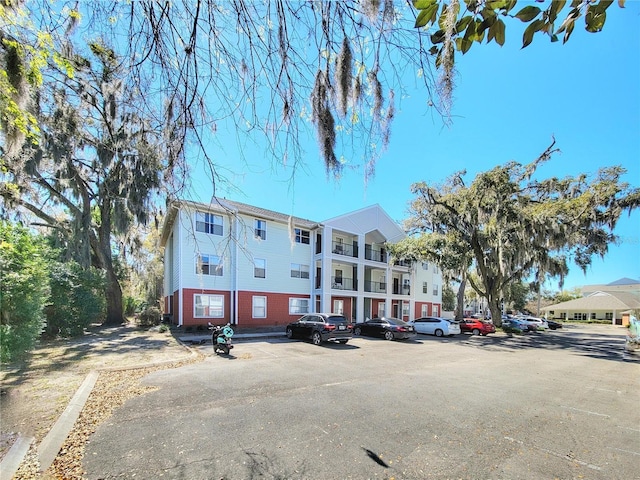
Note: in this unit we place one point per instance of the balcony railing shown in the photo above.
(343, 283)
(344, 249)
(375, 255)
(402, 290)
(375, 287)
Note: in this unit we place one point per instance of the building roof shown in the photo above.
(222, 205)
(599, 301)
(624, 281)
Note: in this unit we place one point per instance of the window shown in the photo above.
(259, 268)
(259, 309)
(424, 311)
(338, 307)
(608, 316)
(435, 268)
(302, 236)
(298, 306)
(211, 306)
(261, 229)
(209, 265)
(425, 287)
(435, 290)
(405, 309)
(436, 310)
(299, 271)
(209, 223)
(425, 266)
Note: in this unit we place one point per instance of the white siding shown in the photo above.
(279, 253)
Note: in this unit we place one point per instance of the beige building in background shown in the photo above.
(614, 302)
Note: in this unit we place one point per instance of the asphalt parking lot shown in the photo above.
(560, 404)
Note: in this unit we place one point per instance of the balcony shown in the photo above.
(343, 283)
(377, 255)
(375, 287)
(344, 249)
(402, 289)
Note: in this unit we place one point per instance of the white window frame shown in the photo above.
(435, 290)
(299, 270)
(260, 229)
(214, 303)
(436, 310)
(424, 310)
(298, 306)
(259, 264)
(213, 263)
(209, 223)
(302, 236)
(258, 306)
(405, 309)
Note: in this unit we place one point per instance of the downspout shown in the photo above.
(179, 267)
(234, 280)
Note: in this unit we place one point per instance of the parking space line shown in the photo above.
(557, 455)
(625, 451)
(586, 411)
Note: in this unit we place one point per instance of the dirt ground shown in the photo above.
(34, 393)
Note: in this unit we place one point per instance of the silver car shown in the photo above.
(437, 326)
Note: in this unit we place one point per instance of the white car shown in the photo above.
(436, 326)
(535, 324)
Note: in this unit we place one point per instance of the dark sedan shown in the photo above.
(321, 327)
(389, 328)
(553, 325)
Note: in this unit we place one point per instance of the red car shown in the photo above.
(476, 326)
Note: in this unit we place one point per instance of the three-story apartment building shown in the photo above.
(231, 262)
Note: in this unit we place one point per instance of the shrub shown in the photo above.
(149, 317)
(77, 299)
(24, 290)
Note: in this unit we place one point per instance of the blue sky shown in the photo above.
(508, 103)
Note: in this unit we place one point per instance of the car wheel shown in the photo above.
(388, 335)
(316, 338)
(439, 333)
(289, 333)
(357, 331)
(475, 331)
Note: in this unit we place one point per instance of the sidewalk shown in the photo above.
(240, 334)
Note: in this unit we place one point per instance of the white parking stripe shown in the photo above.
(558, 455)
(586, 411)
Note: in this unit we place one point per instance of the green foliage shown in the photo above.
(515, 227)
(479, 17)
(23, 290)
(149, 317)
(448, 298)
(517, 295)
(76, 301)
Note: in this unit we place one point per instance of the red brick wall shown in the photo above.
(188, 318)
(418, 308)
(347, 306)
(277, 309)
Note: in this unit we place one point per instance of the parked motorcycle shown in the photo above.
(221, 338)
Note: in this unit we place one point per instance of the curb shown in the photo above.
(50, 446)
(13, 458)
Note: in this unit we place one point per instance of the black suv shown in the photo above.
(322, 327)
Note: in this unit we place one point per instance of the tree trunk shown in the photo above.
(460, 299)
(113, 294)
(495, 307)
